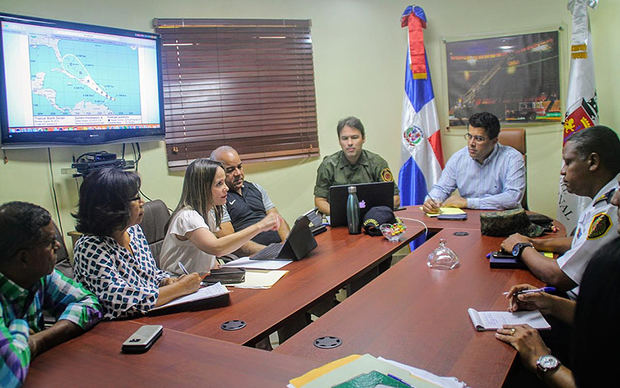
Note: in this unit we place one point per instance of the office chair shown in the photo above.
(156, 215)
(515, 138)
(63, 264)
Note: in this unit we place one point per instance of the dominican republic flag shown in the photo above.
(581, 105)
(421, 142)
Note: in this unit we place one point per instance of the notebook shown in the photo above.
(298, 244)
(493, 320)
(368, 194)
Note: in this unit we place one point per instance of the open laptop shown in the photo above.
(298, 244)
(369, 195)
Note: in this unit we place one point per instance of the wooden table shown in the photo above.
(175, 360)
(338, 259)
(418, 316)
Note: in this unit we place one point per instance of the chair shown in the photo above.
(63, 264)
(515, 138)
(156, 215)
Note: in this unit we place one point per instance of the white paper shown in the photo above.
(446, 382)
(212, 291)
(260, 279)
(493, 320)
(246, 262)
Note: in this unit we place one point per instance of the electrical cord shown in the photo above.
(49, 157)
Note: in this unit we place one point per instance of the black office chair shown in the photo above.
(63, 264)
(156, 215)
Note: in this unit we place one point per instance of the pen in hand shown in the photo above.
(543, 289)
(183, 268)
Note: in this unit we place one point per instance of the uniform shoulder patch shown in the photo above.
(386, 175)
(600, 225)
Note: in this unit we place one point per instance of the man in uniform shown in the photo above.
(591, 168)
(487, 174)
(246, 203)
(29, 284)
(351, 165)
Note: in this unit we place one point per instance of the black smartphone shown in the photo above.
(502, 255)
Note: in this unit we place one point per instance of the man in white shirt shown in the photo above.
(488, 175)
(591, 168)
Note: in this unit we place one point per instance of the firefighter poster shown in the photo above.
(515, 77)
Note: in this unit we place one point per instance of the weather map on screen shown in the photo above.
(72, 78)
(66, 82)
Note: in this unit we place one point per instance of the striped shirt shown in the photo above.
(496, 183)
(21, 310)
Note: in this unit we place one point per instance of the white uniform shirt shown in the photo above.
(596, 227)
(174, 250)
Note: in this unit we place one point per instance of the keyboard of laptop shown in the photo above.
(271, 251)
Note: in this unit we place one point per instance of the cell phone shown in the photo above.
(502, 255)
(142, 339)
(462, 216)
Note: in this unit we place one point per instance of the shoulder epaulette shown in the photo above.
(605, 197)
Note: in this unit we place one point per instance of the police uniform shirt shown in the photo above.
(336, 170)
(595, 228)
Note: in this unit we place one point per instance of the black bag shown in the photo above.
(225, 276)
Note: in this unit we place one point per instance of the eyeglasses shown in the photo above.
(477, 139)
(136, 198)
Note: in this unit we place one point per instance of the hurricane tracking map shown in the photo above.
(76, 77)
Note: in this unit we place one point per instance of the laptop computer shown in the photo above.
(369, 194)
(298, 244)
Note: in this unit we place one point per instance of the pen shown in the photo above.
(544, 289)
(183, 268)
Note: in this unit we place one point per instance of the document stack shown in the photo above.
(368, 371)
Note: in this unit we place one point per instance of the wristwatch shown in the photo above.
(546, 364)
(519, 247)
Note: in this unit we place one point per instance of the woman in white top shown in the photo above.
(189, 236)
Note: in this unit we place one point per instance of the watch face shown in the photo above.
(516, 249)
(548, 362)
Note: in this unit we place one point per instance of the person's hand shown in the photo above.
(430, 206)
(530, 301)
(167, 281)
(189, 283)
(34, 344)
(270, 222)
(512, 240)
(455, 201)
(526, 340)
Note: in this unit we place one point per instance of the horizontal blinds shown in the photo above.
(244, 83)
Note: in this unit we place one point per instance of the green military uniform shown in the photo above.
(336, 170)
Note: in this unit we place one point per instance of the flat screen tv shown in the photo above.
(64, 83)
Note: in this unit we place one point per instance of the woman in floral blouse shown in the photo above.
(112, 258)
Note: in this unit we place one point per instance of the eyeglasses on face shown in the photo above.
(477, 139)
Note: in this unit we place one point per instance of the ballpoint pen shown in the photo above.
(543, 289)
(183, 268)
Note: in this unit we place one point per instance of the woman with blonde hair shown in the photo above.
(190, 237)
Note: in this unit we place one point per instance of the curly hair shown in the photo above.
(20, 227)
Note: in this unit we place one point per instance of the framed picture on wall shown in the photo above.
(515, 77)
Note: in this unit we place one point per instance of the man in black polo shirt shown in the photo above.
(246, 203)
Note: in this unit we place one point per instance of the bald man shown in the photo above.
(246, 203)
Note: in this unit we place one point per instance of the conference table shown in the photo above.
(176, 360)
(409, 313)
(338, 259)
(418, 316)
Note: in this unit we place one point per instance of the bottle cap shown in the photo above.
(352, 189)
